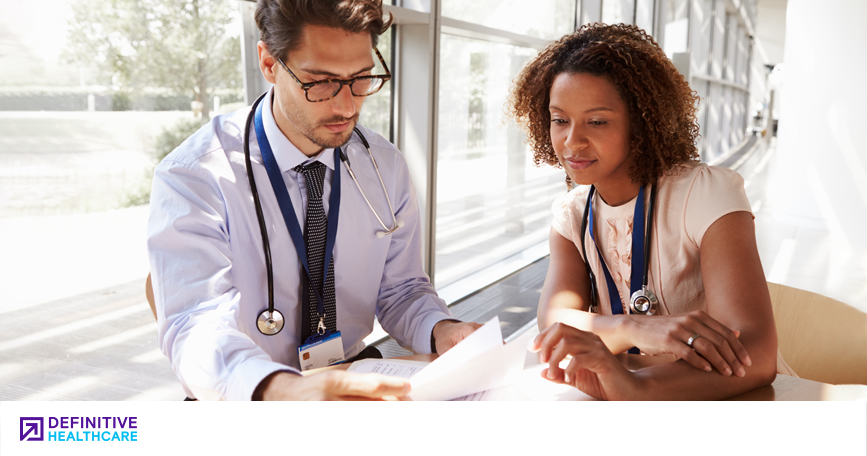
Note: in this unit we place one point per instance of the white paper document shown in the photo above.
(393, 367)
(503, 393)
(477, 364)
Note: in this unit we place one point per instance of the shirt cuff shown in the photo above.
(247, 377)
(433, 340)
(421, 340)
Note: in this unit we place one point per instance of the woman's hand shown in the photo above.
(717, 346)
(593, 369)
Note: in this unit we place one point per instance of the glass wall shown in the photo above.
(719, 63)
(89, 105)
(618, 11)
(708, 40)
(482, 200)
(549, 19)
(700, 31)
(92, 95)
(377, 110)
(673, 31)
(491, 201)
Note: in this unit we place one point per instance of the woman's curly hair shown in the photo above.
(661, 104)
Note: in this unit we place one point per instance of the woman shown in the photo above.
(606, 104)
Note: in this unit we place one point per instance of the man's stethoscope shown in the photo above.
(642, 301)
(271, 321)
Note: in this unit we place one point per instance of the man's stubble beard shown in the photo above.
(306, 128)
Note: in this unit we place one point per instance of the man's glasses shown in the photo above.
(327, 89)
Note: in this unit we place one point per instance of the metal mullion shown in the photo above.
(395, 80)
(712, 52)
(725, 59)
(747, 99)
(433, 124)
(578, 5)
(689, 31)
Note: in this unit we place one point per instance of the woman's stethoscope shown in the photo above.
(271, 321)
(642, 301)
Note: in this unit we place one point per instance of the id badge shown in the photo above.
(321, 351)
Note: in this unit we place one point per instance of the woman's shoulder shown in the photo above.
(700, 178)
(704, 194)
(571, 202)
(568, 209)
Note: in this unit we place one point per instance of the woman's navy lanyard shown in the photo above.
(288, 210)
(637, 258)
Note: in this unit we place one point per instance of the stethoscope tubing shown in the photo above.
(263, 228)
(345, 160)
(266, 245)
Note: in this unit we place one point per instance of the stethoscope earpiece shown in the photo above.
(381, 234)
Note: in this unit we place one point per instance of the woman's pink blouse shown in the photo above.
(688, 202)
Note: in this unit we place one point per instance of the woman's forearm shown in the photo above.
(681, 381)
(612, 329)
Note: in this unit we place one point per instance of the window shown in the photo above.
(377, 110)
(549, 19)
(492, 202)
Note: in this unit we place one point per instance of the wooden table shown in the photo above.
(784, 388)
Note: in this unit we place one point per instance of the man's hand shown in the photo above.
(335, 385)
(448, 333)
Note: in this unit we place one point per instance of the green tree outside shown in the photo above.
(185, 46)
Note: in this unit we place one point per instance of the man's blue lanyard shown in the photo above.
(637, 258)
(288, 210)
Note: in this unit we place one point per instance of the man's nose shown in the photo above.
(342, 104)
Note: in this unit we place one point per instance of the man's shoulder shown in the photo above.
(212, 142)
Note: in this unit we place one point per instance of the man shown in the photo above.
(205, 245)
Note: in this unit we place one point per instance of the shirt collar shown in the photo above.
(287, 155)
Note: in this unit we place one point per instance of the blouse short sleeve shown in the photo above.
(568, 210)
(715, 192)
(562, 210)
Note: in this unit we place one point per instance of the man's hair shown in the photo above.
(661, 104)
(282, 21)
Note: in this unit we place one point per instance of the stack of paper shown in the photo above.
(478, 363)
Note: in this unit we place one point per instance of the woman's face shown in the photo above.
(590, 130)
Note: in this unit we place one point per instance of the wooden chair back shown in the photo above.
(820, 338)
(149, 294)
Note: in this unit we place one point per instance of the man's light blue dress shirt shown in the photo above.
(208, 267)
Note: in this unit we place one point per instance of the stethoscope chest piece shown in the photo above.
(270, 323)
(643, 302)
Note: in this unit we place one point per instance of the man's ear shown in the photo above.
(267, 62)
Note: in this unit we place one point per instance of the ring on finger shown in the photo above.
(692, 339)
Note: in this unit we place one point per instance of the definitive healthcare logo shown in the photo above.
(79, 429)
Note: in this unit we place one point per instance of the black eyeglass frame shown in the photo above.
(309, 85)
